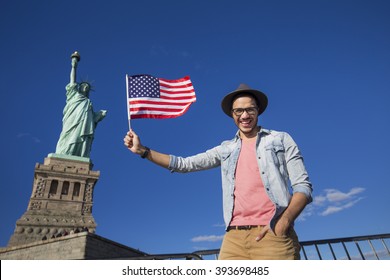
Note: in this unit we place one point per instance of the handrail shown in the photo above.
(358, 241)
(319, 253)
(334, 241)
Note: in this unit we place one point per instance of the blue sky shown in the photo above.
(325, 66)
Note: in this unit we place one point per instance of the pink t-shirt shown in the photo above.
(252, 205)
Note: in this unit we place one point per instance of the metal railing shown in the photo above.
(350, 248)
(368, 247)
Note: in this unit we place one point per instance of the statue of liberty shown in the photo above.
(79, 120)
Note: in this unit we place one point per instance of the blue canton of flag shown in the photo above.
(143, 86)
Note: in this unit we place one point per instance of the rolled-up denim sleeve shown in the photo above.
(305, 190)
(172, 163)
(298, 175)
(202, 161)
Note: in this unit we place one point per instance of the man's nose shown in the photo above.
(245, 114)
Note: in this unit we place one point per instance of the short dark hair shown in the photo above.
(241, 94)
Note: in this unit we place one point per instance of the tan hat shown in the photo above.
(261, 99)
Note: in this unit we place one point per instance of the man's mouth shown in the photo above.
(246, 122)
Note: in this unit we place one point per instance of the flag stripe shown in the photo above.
(176, 85)
(175, 95)
(166, 99)
(177, 90)
(159, 114)
(150, 97)
(161, 110)
(183, 81)
(151, 103)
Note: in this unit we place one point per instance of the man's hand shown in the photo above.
(296, 206)
(281, 228)
(263, 232)
(133, 143)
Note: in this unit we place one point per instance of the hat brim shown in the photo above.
(261, 98)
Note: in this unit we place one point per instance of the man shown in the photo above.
(257, 166)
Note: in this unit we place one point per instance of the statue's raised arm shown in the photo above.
(75, 60)
(79, 121)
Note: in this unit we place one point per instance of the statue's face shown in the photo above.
(85, 88)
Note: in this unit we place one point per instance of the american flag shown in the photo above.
(156, 98)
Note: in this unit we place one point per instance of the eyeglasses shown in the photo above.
(250, 110)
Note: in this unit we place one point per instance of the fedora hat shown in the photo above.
(261, 99)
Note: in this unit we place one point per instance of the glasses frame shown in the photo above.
(255, 111)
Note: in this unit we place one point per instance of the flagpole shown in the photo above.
(127, 100)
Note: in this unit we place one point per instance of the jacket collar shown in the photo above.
(262, 130)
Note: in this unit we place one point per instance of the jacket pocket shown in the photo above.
(276, 153)
(277, 157)
(225, 162)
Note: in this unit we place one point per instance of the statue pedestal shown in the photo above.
(68, 157)
(61, 200)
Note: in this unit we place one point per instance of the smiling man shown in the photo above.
(258, 168)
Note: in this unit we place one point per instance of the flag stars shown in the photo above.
(143, 86)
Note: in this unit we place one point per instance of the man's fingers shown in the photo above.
(128, 141)
(262, 233)
(131, 133)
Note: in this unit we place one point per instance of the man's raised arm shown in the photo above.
(133, 143)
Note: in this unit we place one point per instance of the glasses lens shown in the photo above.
(240, 111)
(251, 111)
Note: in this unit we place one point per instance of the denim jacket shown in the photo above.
(280, 163)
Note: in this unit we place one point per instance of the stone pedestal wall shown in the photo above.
(61, 201)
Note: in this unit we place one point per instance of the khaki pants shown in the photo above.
(242, 245)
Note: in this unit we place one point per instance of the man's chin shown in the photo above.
(248, 130)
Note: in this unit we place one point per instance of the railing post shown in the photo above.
(331, 249)
(318, 251)
(304, 252)
(346, 251)
(360, 251)
(384, 244)
(373, 249)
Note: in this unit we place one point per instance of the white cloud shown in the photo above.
(309, 211)
(357, 190)
(332, 201)
(319, 200)
(207, 238)
(333, 195)
(331, 210)
(352, 203)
